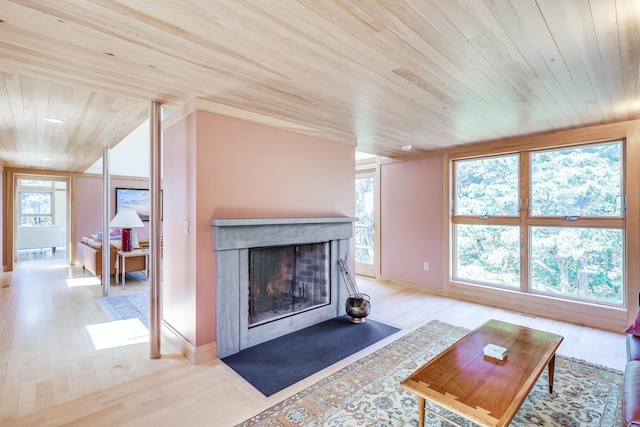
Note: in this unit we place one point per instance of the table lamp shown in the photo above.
(126, 219)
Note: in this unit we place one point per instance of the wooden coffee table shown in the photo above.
(484, 390)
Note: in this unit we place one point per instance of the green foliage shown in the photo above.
(584, 181)
(487, 186)
(364, 229)
(581, 262)
(488, 254)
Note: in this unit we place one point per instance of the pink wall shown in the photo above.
(89, 204)
(237, 169)
(411, 220)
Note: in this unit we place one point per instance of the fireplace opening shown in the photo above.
(286, 280)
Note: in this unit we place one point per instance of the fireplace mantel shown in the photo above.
(232, 239)
(256, 232)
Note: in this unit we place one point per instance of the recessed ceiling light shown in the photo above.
(52, 120)
(46, 159)
(407, 147)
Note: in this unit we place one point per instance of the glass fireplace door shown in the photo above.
(285, 280)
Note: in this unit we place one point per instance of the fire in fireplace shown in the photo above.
(287, 280)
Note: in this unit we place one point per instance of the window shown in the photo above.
(585, 263)
(487, 186)
(487, 242)
(488, 254)
(35, 208)
(35, 202)
(365, 226)
(583, 181)
(562, 219)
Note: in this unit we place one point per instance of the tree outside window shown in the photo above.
(365, 226)
(36, 202)
(563, 219)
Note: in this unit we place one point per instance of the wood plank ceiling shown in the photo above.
(379, 74)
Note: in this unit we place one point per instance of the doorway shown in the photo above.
(365, 227)
(41, 212)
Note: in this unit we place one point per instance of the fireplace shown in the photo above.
(286, 280)
(276, 276)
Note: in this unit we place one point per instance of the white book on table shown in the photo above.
(495, 351)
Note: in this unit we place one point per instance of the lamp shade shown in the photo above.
(126, 218)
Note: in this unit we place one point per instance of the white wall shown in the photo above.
(60, 213)
(130, 157)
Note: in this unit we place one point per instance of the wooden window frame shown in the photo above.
(525, 220)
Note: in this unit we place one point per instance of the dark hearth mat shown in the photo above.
(281, 362)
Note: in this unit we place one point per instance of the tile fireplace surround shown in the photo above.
(232, 239)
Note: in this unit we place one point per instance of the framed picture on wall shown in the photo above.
(134, 198)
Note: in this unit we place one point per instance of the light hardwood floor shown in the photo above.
(52, 374)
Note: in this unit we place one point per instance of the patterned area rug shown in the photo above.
(367, 392)
(127, 306)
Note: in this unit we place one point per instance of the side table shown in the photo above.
(122, 255)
